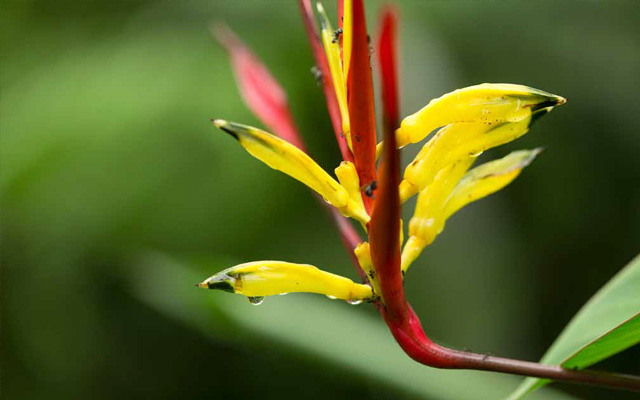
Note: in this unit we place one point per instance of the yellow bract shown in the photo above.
(456, 142)
(283, 156)
(348, 178)
(488, 178)
(332, 49)
(363, 254)
(487, 103)
(451, 190)
(267, 278)
(347, 34)
(427, 221)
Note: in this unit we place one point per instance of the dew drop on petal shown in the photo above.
(256, 301)
(282, 294)
(331, 297)
(354, 302)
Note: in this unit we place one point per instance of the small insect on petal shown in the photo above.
(487, 103)
(363, 253)
(283, 156)
(266, 278)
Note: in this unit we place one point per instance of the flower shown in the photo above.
(466, 122)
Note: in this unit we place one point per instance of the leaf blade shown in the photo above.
(614, 306)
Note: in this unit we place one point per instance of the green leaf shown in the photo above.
(606, 325)
(330, 331)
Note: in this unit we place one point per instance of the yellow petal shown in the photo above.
(486, 104)
(332, 49)
(427, 221)
(348, 178)
(456, 142)
(283, 156)
(347, 34)
(488, 178)
(267, 278)
(363, 254)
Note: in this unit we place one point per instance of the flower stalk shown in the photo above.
(468, 121)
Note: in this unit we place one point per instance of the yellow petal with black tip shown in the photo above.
(487, 103)
(267, 278)
(456, 142)
(488, 178)
(427, 221)
(283, 156)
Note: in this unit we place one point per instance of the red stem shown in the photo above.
(410, 336)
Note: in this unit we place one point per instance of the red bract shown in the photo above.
(261, 92)
(387, 53)
(361, 106)
(384, 228)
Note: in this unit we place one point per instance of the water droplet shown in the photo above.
(282, 294)
(474, 155)
(354, 302)
(331, 297)
(256, 301)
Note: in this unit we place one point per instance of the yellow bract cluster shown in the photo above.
(467, 122)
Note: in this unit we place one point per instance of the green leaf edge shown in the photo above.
(578, 359)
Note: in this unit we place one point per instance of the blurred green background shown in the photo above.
(118, 195)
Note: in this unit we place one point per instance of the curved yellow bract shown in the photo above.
(488, 103)
(267, 278)
(283, 156)
(451, 190)
(488, 178)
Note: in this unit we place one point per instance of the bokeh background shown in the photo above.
(118, 195)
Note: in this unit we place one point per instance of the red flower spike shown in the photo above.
(384, 231)
(325, 75)
(261, 92)
(361, 106)
(386, 46)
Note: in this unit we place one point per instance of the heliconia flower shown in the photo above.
(467, 122)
